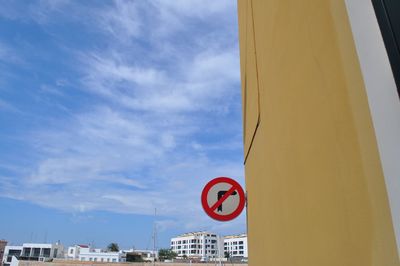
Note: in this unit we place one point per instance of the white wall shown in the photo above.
(382, 97)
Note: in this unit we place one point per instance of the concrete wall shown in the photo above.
(315, 186)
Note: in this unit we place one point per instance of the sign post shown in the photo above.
(223, 199)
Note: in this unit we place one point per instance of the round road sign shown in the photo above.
(223, 199)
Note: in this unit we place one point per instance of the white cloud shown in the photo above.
(123, 21)
(164, 113)
(198, 82)
(196, 8)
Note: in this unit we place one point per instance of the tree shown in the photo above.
(166, 254)
(113, 247)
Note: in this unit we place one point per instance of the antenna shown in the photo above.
(154, 236)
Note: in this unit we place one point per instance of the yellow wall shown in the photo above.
(316, 191)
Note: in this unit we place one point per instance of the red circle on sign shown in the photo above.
(236, 186)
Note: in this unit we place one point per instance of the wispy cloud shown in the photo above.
(9, 55)
(162, 116)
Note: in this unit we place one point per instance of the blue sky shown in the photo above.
(109, 109)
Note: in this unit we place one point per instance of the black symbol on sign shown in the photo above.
(219, 196)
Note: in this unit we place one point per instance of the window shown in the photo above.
(46, 252)
(90, 259)
(95, 259)
(82, 259)
(71, 251)
(102, 259)
(26, 252)
(14, 252)
(108, 259)
(240, 242)
(55, 253)
(241, 252)
(36, 252)
(240, 247)
(114, 260)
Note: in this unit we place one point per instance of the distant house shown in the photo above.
(86, 253)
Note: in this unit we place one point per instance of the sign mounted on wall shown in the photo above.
(223, 199)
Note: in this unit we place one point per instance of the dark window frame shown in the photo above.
(390, 34)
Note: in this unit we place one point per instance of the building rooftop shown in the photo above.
(235, 236)
(195, 234)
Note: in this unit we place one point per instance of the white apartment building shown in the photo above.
(201, 245)
(86, 253)
(33, 252)
(236, 245)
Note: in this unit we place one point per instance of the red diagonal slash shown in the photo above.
(223, 198)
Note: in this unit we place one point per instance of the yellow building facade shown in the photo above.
(318, 190)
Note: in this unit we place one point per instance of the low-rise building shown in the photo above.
(74, 251)
(9, 253)
(33, 252)
(86, 253)
(144, 254)
(41, 252)
(201, 245)
(236, 246)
